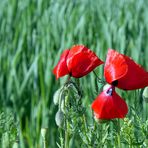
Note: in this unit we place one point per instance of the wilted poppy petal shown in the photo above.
(124, 71)
(115, 66)
(109, 105)
(61, 68)
(81, 61)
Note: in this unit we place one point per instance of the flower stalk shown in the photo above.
(118, 134)
(67, 135)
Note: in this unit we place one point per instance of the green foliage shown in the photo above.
(8, 129)
(33, 33)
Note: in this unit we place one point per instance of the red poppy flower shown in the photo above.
(109, 105)
(123, 72)
(77, 62)
(61, 68)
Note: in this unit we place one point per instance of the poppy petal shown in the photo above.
(81, 61)
(135, 78)
(128, 74)
(115, 66)
(61, 68)
(109, 106)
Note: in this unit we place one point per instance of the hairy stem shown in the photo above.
(118, 134)
(100, 80)
(66, 136)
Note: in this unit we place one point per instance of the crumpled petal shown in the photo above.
(61, 68)
(81, 61)
(128, 74)
(109, 105)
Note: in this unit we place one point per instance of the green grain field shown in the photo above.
(33, 34)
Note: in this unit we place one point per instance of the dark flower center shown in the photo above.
(110, 91)
(115, 83)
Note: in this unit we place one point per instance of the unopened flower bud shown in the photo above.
(56, 96)
(15, 144)
(59, 118)
(44, 132)
(66, 100)
(63, 105)
(145, 94)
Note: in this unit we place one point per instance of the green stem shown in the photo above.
(84, 120)
(130, 145)
(100, 80)
(66, 130)
(66, 136)
(118, 134)
(61, 138)
(86, 129)
(45, 143)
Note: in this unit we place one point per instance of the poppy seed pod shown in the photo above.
(59, 118)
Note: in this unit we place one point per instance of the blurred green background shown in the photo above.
(33, 33)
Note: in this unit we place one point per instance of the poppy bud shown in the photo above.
(44, 132)
(145, 94)
(63, 105)
(59, 118)
(16, 144)
(56, 96)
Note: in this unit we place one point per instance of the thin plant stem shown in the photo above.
(66, 130)
(130, 145)
(118, 134)
(100, 80)
(45, 143)
(66, 136)
(86, 129)
(61, 138)
(84, 120)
